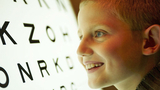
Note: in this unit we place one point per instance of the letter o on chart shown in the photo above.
(7, 78)
(50, 34)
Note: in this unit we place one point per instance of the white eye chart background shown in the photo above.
(38, 42)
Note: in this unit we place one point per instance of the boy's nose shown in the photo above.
(84, 49)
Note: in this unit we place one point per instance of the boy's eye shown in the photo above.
(99, 33)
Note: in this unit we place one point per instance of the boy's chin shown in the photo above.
(94, 85)
(97, 84)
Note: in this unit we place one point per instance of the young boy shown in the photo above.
(120, 43)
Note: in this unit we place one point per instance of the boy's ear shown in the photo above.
(151, 40)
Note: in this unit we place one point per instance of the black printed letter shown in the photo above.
(42, 68)
(23, 0)
(56, 64)
(73, 86)
(44, 3)
(3, 30)
(63, 87)
(54, 39)
(65, 34)
(31, 35)
(22, 69)
(61, 5)
(69, 62)
(7, 78)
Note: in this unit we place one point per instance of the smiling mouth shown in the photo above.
(91, 66)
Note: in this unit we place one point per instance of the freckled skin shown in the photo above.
(118, 49)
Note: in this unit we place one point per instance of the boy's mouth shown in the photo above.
(93, 65)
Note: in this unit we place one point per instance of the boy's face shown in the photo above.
(107, 45)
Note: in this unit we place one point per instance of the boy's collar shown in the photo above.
(152, 80)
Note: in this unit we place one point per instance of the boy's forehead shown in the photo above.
(97, 10)
(95, 5)
(91, 15)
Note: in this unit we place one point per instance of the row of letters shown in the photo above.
(60, 3)
(3, 31)
(42, 67)
(40, 63)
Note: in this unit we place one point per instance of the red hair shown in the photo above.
(138, 14)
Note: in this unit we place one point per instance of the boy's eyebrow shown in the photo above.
(100, 26)
(96, 26)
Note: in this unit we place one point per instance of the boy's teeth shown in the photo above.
(92, 65)
(89, 66)
(97, 65)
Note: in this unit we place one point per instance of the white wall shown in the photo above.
(38, 46)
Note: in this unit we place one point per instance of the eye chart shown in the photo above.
(38, 42)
